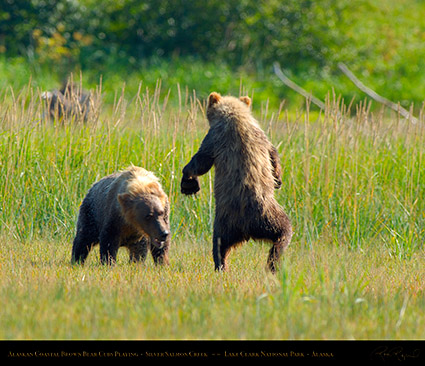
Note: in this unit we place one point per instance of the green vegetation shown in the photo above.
(351, 185)
(353, 174)
(382, 42)
(328, 293)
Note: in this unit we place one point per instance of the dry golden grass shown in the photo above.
(353, 187)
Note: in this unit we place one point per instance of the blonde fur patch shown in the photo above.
(141, 182)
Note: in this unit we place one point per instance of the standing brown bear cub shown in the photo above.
(127, 209)
(247, 170)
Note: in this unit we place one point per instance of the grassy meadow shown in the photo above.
(353, 186)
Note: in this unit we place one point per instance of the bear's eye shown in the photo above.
(148, 217)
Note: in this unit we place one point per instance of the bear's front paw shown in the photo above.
(190, 185)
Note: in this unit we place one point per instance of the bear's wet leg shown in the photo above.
(222, 243)
(220, 253)
(224, 239)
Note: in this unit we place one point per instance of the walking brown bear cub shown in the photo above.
(129, 209)
(247, 170)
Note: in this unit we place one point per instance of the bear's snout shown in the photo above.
(160, 240)
(164, 235)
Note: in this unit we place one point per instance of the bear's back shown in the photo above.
(242, 154)
(100, 199)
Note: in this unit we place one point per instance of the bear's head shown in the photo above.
(148, 214)
(54, 98)
(219, 107)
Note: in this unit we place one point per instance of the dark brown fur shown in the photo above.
(127, 209)
(247, 170)
(69, 102)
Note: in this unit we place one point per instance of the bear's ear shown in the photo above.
(213, 98)
(125, 200)
(246, 100)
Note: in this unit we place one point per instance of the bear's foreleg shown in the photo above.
(200, 164)
(139, 250)
(160, 256)
(277, 168)
(109, 244)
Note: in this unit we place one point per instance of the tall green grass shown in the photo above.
(353, 186)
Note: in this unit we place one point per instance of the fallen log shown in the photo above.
(371, 93)
(277, 70)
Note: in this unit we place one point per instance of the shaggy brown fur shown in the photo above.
(68, 102)
(128, 209)
(247, 170)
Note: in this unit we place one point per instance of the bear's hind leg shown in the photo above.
(277, 250)
(85, 238)
(81, 247)
(274, 255)
(277, 229)
(221, 248)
